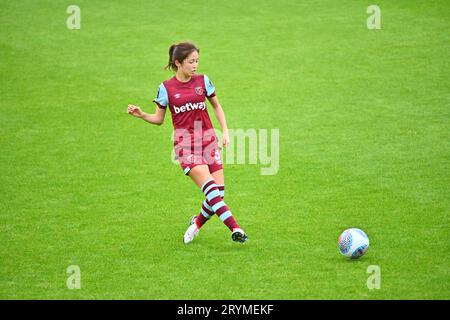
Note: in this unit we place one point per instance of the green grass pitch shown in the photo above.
(364, 120)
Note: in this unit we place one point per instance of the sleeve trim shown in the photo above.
(160, 106)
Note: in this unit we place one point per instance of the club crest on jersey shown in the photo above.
(199, 90)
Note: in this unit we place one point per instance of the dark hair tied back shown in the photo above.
(179, 52)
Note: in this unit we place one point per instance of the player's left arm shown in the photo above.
(221, 118)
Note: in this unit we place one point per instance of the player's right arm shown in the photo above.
(157, 118)
(161, 100)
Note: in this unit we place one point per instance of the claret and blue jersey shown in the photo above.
(187, 101)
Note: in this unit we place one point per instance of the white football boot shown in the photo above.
(239, 235)
(191, 232)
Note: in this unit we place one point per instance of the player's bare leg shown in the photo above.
(200, 174)
(218, 177)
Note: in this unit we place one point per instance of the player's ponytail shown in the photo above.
(179, 52)
(171, 65)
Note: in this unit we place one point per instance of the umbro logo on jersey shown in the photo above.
(190, 106)
(177, 95)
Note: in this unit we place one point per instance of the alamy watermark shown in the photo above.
(374, 20)
(250, 146)
(73, 22)
(74, 278)
(258, 149)
(374, 280)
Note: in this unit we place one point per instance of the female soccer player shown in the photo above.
(195, 142)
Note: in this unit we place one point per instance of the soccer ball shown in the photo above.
(353, 243)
